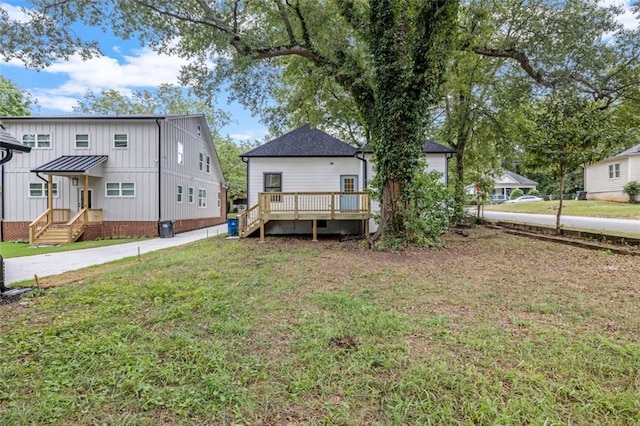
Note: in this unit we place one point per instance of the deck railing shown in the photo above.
(314, 202)
(304, 206)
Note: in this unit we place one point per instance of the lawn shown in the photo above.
(15, 249)
(491, 329)
(574, 208)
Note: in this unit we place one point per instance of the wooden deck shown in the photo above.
(312, 206)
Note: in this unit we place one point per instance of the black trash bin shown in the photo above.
(166, 229)
(2, 287)
(232, 227)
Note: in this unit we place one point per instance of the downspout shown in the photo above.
(364, 186)
(159, 173)
(364, 173)
(245, 160)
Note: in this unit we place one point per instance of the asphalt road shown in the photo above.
(580, 222)
(24, 268)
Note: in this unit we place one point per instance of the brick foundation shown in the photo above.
(15, 231)
(19, 231)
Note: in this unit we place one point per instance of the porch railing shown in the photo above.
(304, 206)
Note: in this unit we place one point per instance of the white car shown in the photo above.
(525, 199)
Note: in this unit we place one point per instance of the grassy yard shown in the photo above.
(574, 208)
(492, 329)
(11, 249)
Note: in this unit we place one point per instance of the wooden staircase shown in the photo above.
(59, 234)
(52, 228)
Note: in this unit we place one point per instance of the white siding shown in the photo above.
(597, 178)
(302, 174)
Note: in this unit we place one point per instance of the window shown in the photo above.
(179, 194)
(199, 130)
(180, 152)
(273, 183)
(190, 194)
(82, 140)
(201, 161)
(218, 199)
(39, 189)
(202, 197)
(208, 164)
(120, 189)
(36, 141)
(614, 171)
(120, 140)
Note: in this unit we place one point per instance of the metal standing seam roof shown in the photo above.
(71, 164)
(9, 142)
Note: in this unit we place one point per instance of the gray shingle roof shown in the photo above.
(429, 147)
(9, 142)
(520, 179)
(303, 142)
(71, 164)
(630, 151)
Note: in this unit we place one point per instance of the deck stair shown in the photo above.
(311, 206)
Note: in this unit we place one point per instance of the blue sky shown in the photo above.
(125, 66)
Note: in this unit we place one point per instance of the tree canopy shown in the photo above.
(13, 101)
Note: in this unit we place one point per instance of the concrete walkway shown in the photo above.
(24, 268)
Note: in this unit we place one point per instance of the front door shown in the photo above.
(81, 199)
(348, 184)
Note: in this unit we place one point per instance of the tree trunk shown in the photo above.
(561, 194)
(392, 209)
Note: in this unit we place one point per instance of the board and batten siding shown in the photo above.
(137, 163)
(195, 138)
(302, 174)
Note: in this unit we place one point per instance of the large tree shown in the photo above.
(389, 55)
(13, 101)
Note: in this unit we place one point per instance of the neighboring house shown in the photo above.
(134, 174)
(332, 175)
(606, 179)
(509, 181)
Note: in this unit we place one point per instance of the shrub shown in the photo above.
(534, 192)
(632, 189)
(516, 193)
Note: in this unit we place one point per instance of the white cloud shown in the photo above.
(15, 12)
(248, 135)
(627, 18)
(144, 68)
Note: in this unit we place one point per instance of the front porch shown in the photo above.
(313, 206)
(55, 225)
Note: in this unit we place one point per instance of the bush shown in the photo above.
(516, 193)
(534, 192)
(632, 189)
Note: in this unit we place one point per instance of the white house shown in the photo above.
(606, 179)
(320, 183)
(110, 176)
(508, 181)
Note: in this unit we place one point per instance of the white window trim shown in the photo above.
(205, 198)
(614, 172)
(113, 139)
(207, 164)
(106, 194)
(56, 190)
(201, 161)
(179, 194)
(35, 142)
(76, 141)
(191, 195)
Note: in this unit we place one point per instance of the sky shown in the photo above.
(125, 66)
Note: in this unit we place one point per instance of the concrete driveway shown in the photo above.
(579, 222)
(24, 268)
